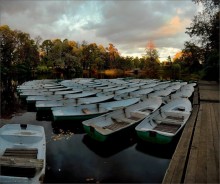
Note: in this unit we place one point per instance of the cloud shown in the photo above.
(129, 25)
(174, 26)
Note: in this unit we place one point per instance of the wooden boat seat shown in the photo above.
(21, 162)
(176, 115)
(176, 118)
(123, 120)
(21, 152)
(86, 111)
(168, 121)
(119, 123)
(102, 130)
(165, 127)
(139, 114)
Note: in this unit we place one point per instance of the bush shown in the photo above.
(43, 69)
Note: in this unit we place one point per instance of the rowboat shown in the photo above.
(38, 88)
(189, 86)
(138, 93)
(126, 90)
(80, 95)
(165, 123)
(63, 92)
(22, 153)
(161, 86)
(47, 105)
(84, 112)
(114, 89)
(149, 85)
(33, 93)
(160, 93)
(105, 126)
(33, 99)
(174, 88)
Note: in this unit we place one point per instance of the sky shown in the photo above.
(128, 24)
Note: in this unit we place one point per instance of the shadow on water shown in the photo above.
(110, 147)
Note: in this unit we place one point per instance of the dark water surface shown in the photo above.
(72, 157)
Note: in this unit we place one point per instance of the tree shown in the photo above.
(150, 61)
(113, 55)
(205, 31)
(8, 46)
(19, 53)
(151, 52)
(192, 56)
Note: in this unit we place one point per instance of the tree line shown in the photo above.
(20, 53)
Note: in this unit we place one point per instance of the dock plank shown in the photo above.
(213, 147)
(203, 163)
(194, 152)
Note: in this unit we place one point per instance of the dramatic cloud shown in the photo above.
(128, 24)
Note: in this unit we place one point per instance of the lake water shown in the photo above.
(72, 157)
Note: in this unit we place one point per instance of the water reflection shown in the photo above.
(110, 147)
(10, 103)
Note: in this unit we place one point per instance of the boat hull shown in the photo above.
(95, 134)
(154, 137)
(114, 136)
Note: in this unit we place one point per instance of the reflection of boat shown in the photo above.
(157, 150)
(100, 128)
(165, 123)
(110, 147)
(47, 105)
(84, 112)
(22, 153)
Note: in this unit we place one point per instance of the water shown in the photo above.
(72, 157)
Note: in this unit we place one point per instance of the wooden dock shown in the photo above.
(196, 158)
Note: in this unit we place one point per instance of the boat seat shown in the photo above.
(103, 130)
(17, 162)
(86, 111)
(139, 114)
(21, 152)
(166, 127)
(115, 126)
(176, 118)
(176, 114)
(123, 120)
(168, 121)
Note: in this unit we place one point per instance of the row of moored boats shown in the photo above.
(157, 110)
(107, 106)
